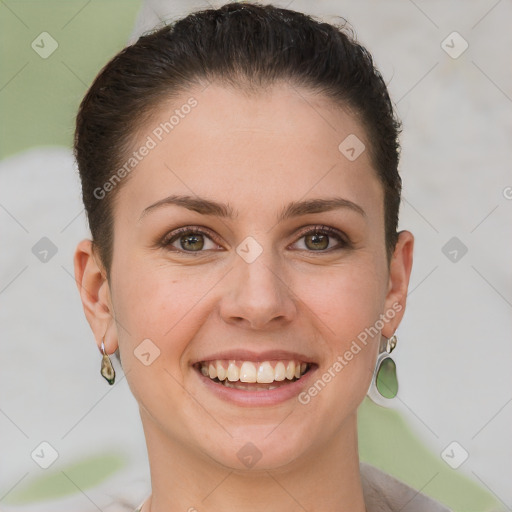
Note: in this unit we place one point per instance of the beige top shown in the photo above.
(384, 493)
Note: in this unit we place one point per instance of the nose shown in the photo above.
(258, 295)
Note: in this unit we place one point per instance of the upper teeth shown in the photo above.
(248, 371)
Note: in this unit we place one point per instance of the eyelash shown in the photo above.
(343, 240)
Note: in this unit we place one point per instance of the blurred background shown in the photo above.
(71, 442)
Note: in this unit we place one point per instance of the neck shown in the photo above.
(325, 479)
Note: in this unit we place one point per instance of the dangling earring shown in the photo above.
(107, 370)
(384, 385)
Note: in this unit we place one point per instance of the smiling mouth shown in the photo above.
(252, 375)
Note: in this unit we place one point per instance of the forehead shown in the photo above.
(251, 150)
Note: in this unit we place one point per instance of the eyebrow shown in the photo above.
(293, 209)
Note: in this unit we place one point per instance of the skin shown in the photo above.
(257, 154)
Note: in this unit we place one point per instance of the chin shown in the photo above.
(259, 448)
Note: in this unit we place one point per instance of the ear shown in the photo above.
(399, 274)
(94, 289)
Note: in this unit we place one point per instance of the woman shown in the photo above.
(239, 173)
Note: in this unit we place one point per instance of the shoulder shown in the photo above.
(385, 493)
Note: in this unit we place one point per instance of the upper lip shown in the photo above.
(248, 355)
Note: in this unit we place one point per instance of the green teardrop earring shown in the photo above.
(107, 370)
(387, 383)
(384, 382)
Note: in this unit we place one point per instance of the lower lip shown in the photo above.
(258, 398)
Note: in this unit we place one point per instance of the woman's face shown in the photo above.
(254, 176)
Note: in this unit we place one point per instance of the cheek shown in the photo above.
(346, 304)
(163, 304)
(165, 307)
(347, 299)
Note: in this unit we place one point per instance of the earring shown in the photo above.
(107, 370)
(384, 385)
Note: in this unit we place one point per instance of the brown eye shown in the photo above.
(320, 239)
(317, 241)
(189, 240)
